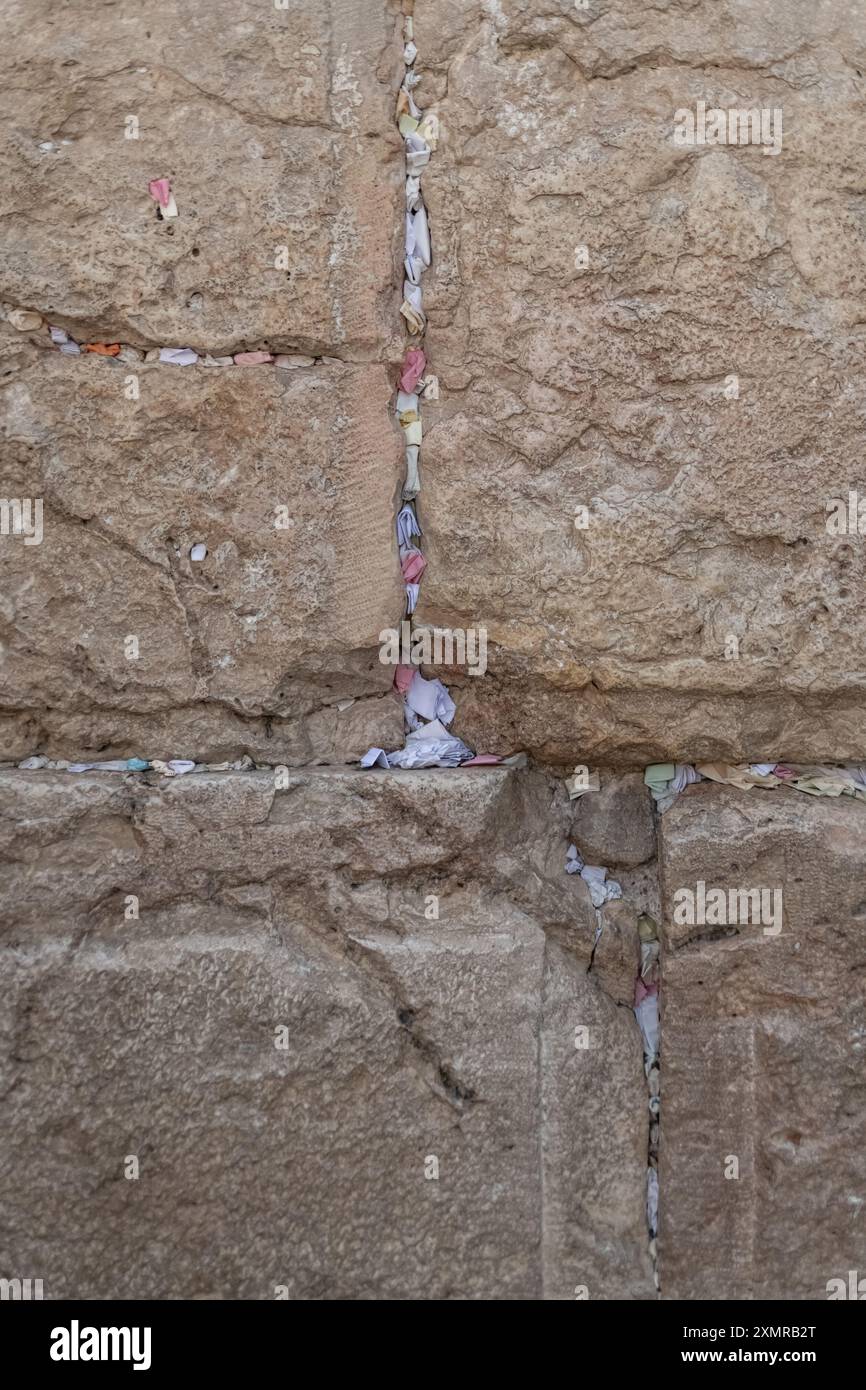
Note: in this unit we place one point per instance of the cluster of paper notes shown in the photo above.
(420, 132)
(28, 321)
(427, 706)
(667, 780)
(171, 767)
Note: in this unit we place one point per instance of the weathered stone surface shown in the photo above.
(408, 1037)
(616, 960)
(254, 648)
(605, 387)
(275, 128)
(762, 1051)
(614, 826)
(695, 384)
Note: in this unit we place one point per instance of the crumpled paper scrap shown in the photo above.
(413, 565)
(175, 767)
(430, 699)
(647, 1015)
(667, 780)
(736, 775)
(180, 357)
(412, 485)
(407, 526)
(415, 320)
(375, 757)
(431, 746)
(573, 860)
(403, 677)
(428, 130)
(160, 191)
(414, 363)
(417, 241)
(601, 888)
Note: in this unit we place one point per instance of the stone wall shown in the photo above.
(313, 1032)
(253, 651)
(596, 290)
(607, 388)
(763, 1045)
(275, 129)
(362, 1041)
(410, 1038)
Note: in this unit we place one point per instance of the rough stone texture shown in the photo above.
(614, 826)
(616, 960)
(604, 387)
(251, 650)
(408, 1037)
(276, 129)
(562, 388)
(762, 1051)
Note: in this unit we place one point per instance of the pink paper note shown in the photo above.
(413, 369)
(413, 566)
(160, 189)
(642, 991)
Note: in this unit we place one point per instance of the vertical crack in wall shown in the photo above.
(541, 1062)
(420, 134)
(648, 1015)
(645, 1004)
(427, 706)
